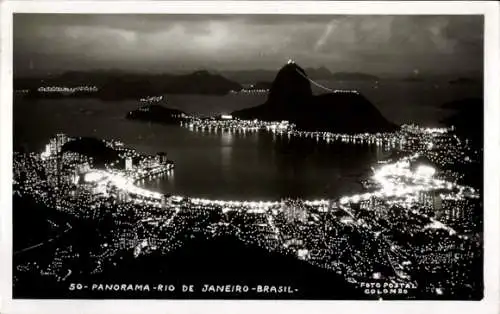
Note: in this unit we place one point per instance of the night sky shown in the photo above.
(169, 43)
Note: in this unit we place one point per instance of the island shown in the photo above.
(157, 113)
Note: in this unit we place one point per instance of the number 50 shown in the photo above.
(77, 286)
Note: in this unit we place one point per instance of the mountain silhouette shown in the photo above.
(226, 260)
(291, 98)
(289, 88)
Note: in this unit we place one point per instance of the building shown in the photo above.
(83, 167)
(161, 158)
(61, 139)
(426, 199)
(122, 195)
(437, 202)
(437, 206)
(128, 163)
(294, 210)
(53, 146)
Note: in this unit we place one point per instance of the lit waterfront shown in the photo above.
(284, 128)
(403, 196)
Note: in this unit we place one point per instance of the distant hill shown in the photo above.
(291, 99)
(249, 76)
(354, 76)
(412, 79)
(127, 87)
(115, 85)
(321, 73)
(201, 82)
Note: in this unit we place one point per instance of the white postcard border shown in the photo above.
(490, 303)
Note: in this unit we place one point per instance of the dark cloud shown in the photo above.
(57, 42)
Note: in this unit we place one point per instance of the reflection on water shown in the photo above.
(216, 164)
(224, 165)
(160, 183)
(226, 157)
(227, 139)
(171, 177)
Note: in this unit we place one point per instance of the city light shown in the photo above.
(403, 195)
(67, 90)
(425, 171)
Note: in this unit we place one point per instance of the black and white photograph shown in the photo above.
(248, 156)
